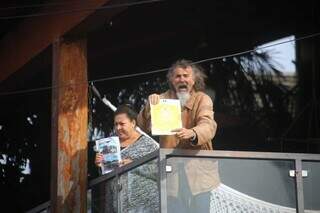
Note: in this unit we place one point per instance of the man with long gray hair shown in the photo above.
(187, 83)
(190, 183)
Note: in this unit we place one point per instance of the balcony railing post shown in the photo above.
(299, 186)
(163, 184)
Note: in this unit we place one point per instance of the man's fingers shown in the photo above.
(183, 133)
(177, 130)
(154, 99)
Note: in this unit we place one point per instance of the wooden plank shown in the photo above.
(69, 127)
(36, 33)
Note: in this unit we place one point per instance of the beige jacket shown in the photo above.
(202, 174)
(197, 115)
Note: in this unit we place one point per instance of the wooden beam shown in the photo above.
(69, 127)
(36, 33)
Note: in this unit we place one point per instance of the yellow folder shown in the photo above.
(165, 116)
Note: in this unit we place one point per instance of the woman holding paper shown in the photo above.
(134, 146)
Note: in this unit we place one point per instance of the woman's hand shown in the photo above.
(98, 159)
(125, 161)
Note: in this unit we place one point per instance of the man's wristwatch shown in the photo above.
(194, 139)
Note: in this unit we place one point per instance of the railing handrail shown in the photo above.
(122, 169)
(240, 154)
(40, 207)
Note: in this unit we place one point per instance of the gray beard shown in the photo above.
(183, 97)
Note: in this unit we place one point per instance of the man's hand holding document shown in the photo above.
(165, 117)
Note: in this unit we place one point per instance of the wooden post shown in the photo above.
(69, 127)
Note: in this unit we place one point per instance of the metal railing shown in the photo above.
(165, 155)
(297, 159)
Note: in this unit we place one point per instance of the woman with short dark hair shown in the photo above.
(139, 191)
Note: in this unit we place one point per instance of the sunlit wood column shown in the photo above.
(69, 126)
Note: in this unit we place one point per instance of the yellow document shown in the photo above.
(165, 116)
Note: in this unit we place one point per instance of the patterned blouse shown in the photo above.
(139, 190)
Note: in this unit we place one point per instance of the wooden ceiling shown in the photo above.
(154, 33)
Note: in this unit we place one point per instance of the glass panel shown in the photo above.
(139, 189)
(103, 197)
(230, 185)
(311, 186)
